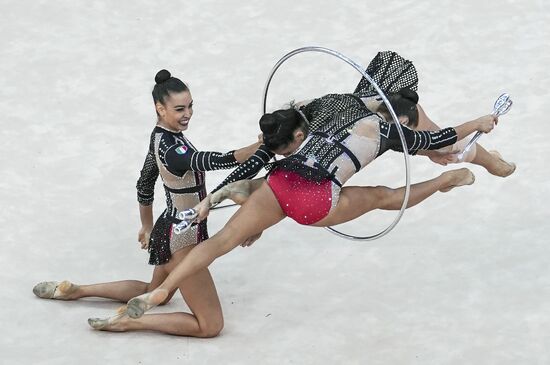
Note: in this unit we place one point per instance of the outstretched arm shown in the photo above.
(431, 140)
(243, 154)
(180, 157)
(449, 154)
(249, 168)
(483, 124)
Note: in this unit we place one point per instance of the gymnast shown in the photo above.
(181, 167)
(308, 185)
(396, 75)
(398, 78)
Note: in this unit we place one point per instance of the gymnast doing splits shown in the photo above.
(308, 184)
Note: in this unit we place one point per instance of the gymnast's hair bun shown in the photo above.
(409, 95)
(162, 76)
(269, 124)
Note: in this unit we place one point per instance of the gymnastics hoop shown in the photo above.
(393, 115)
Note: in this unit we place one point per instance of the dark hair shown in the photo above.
(165, 84)
(404, 104)
(278, 127)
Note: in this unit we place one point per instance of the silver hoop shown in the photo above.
(393, 115)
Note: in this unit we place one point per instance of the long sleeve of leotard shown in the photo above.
(148, 176)
(416, 140)
(180, 157)
(249, 168)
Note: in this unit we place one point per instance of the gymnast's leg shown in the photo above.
(117, 290)
(238, 191)
(493, 162)
(198, 291)
(260, 212)
(355, 201)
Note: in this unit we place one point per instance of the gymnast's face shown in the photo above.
(290, 148)
(176, 111)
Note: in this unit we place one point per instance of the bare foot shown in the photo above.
(501, 168)
(114, 323)
(141, 304)
(64, 290)
(457, 178)
(238, 191)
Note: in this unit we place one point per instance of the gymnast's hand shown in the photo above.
(203, 208)
(486, 123)
(250, 240)
(143, 236)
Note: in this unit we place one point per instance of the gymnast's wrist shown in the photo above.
(147, 226)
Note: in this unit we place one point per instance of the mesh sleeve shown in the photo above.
(148, 176)
(249, 168)
(183, 158)
(416, 140)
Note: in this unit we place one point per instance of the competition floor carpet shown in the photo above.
(463, 279)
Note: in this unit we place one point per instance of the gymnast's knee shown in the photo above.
(212, 328)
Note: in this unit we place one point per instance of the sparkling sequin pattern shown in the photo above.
(327, 151)
(391, 72)
(301, 199)
(250, 168)
(180, 166)
(333, 116)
